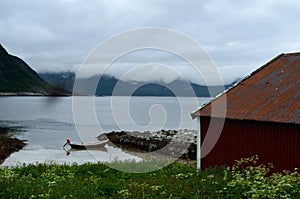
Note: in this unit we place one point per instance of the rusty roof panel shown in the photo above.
(271, 93)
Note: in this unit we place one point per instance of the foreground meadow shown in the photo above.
(246, 179)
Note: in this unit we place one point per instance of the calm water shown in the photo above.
(47, 122)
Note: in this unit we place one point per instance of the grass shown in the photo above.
(178, 180)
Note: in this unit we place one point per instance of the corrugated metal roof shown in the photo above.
(271, 93)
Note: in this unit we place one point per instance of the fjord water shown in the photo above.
(46, 122)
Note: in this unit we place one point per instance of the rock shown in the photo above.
(8, 146)
(176, 142)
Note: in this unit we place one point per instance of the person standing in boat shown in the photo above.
(68, 142)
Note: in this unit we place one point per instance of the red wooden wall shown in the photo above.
(277, 143)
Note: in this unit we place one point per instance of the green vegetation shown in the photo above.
(179, 180)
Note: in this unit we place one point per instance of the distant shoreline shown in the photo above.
(43, 95)
(29, 94)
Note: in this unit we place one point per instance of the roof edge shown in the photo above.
(196, 113)
(253, 120)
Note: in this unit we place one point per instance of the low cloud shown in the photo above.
(152, 73)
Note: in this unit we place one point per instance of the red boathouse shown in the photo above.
(262, 117)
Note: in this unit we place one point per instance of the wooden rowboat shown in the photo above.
(89, 146)
(97, 145)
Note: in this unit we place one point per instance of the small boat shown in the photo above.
(97, 145)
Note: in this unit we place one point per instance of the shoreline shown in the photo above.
(8, 143)
(178, 144)
(28, 94)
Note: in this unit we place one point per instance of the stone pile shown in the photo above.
(175, 143)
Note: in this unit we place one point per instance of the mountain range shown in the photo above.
(17, 78)
(107, 84)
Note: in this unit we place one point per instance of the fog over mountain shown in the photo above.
(109, 85)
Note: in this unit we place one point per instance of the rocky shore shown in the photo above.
(8, 144)
(174, 143)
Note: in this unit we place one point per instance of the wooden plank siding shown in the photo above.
(276, 143)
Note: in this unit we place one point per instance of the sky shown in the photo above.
(239, 36)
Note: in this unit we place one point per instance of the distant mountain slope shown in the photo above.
(61, 79)
(107, 84)
(16, 77)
